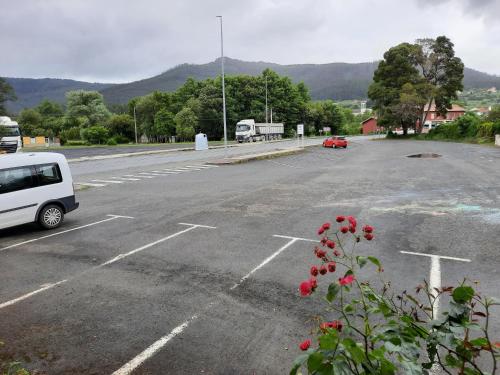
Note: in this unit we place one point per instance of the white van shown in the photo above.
(35, 187)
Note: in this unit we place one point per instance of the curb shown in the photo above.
(262, 156)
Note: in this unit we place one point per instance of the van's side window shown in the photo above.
(14, 179)
(48, 174)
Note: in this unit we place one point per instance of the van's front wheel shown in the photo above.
(51, 216)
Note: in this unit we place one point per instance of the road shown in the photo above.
(158, 289)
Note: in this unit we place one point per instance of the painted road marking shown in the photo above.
(165, 172)
(153, 349)
(435, 273)
(111, 217)
(131, 175)
(111, 261)
(149, 352)
(272, 256)
(149, 174)
(90, 184)
(127, 178)
(108, 181)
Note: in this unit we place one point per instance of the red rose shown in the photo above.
(323, 270)
(320, 253)
(344, 229)
(313, 282)
(305, 288)
(368, 229)
(336, 253)
(346, 280)
(332, 266)
(369, 236)
(340, 219)
(304, 345)
(352, 229)
(351, 220)
(314, 271)
(336, 324)
(326, 226)
(321, 231)
(330, 244)
(324, 240)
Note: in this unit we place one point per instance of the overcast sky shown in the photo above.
(122, 40)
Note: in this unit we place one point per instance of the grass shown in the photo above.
(425, 137)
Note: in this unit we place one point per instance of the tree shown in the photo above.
(397, 69)
(30, 121)
(442, 71)
(95, 134)
(86, 108)
(185, 123)
(164, 124)
(6, 93)
(122, 126)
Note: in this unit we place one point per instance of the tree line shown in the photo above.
(194, 107)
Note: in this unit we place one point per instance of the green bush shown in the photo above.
(111, 142)
(496, 127)
(95, 134)
(468, 124)
(75, 143)
(446, 131)
(485, 130)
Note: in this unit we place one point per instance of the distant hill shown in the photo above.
(31, 91)
(338, 81)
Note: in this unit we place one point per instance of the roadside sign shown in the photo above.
(300, 129)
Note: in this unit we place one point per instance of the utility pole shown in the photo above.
(267, 122)
(223, 86)
(135, 126)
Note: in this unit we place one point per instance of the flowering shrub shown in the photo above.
(375, 331)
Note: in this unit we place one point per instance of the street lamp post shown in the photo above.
(223, 85)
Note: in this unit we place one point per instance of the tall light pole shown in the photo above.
(135, 126)
(223, 85)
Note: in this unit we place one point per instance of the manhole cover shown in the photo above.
(425, 155)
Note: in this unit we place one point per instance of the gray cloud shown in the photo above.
(117, 40)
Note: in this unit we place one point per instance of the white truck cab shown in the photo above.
(35, 187)
(10, 136)
(250, 131)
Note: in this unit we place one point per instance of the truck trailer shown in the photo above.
(250, 131)
(10, 136)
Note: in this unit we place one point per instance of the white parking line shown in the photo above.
(127, 178)
(435, 273)
(131, 175)
(90, 184)
(165, 172)
(153, 349)
(111, 261)
(111, 217)
(149, 174)
(149, 352)
(108, 181)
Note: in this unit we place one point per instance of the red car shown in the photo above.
(335, 142)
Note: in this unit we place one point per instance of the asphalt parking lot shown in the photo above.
(194, 269)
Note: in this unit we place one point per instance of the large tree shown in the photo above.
(6, 93)
(442, 71)
(86, 108)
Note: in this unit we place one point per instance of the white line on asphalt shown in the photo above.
(131, 175)
(112, 217)
(127, 178)
(90, 184)
(108, 181)
(153, 349)
(435, 274)
(113, 260)
(297, 238)
(165, 172)
(173, 170)
(19, 299)
(149, 174)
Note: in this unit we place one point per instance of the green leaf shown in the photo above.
(386, 367)
(348, 308)
(481, 341)
(361, 261)
(356, 353)
(333, 290)
(391, 347)
(297, 364)
(375, 261)
(328, 341)
(314, 362)
(451, 361)
(463, 294)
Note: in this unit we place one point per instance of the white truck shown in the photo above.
(250, 131)
(10, 136)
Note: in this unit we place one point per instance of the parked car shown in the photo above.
(335, 142)
(35, 187)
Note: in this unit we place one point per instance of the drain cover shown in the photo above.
(425, 155)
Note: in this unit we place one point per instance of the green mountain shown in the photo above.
(31, 91)
(338, 81)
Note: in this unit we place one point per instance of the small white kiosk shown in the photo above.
(201, 142)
